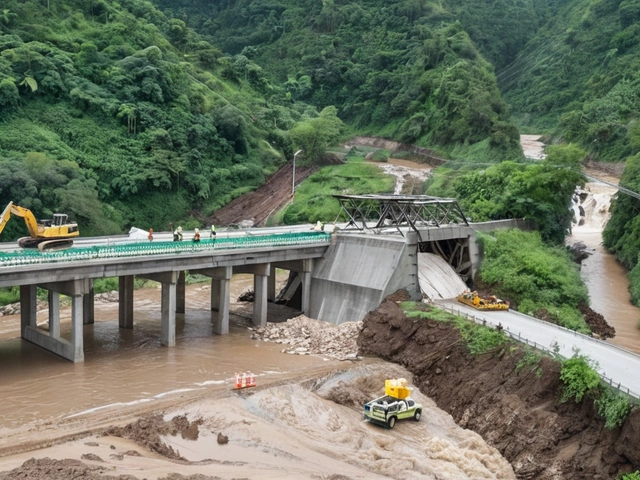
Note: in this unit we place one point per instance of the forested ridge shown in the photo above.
(120, 116)
(142, 113)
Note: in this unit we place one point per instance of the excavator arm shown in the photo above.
(29, 218)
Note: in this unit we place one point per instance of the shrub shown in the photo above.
(614, 407)
(379, 156)
(579, 377)
(530, 360)
(9, 295)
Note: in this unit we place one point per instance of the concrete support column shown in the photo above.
(169, 281)
(125, 307)
(220, 288)
(180, 293)
(168, 305)
(474, 253)
(71, 350)
(305, 277)
(54, 314)
(28, 308)
(88, 304)
(271, 286)
(215, 294)
(77, 341)
(260, 280)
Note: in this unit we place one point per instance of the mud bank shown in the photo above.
(514, 410)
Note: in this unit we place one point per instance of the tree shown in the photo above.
(316, 134)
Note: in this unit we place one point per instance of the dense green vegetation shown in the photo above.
(578, 77)
(622, 233)
(118, 115)
(539, 191)
(314, 201)
(406, 69)
(478, 338)
(580, 380)
(537, 278)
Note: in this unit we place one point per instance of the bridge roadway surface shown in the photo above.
(168, 236)
(615, 364)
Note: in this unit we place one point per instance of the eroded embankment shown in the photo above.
(515, 410)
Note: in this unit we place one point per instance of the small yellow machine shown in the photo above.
(54, 234)
(490, 303)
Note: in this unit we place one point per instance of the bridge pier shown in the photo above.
(180, 293)
(88, 316)
(307, 268)
(72, 349)
(28, 308)
(260, 281)
(169, 282)
(125, 305)
(54, 314)
(271, 286)
(261, 273)
(220, 288)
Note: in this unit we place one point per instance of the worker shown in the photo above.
(319, 227)
(196, 235)
(213, 231)
(150, 237)
(176, 237)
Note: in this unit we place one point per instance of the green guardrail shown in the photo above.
(34, 257)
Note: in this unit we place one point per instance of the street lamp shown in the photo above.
(293, 180)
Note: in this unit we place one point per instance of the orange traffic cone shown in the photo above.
(251, 380)
(238, 383)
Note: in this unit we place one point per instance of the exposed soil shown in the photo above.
(67, 469)
(597, 323)
(254, 208)
(514, 409)
(148, 430)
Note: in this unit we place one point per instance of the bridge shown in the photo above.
(337, 278)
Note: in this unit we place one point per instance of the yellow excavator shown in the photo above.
(46, 235)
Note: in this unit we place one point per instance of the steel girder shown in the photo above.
(412, 211)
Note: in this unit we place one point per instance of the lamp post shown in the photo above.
(293, 179)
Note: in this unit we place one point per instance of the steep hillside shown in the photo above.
(579, 78)
(118, 115)
(405, 70)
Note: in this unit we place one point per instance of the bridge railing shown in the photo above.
(519, 338)
(34, 257)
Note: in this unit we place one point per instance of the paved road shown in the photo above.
(615, 363)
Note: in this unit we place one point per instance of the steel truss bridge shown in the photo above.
(376, 212)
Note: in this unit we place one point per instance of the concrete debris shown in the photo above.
(305, 336)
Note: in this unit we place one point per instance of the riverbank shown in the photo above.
(137, 410)
(514, 405)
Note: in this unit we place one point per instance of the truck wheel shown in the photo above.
(417, 415)
(391, 422)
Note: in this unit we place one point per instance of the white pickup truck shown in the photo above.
(386, 410)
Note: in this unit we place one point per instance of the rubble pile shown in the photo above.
(305, 336)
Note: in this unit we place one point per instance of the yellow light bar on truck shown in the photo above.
(397, 388)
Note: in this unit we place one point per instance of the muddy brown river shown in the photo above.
(127, 372)
(605, 278)
(283, 429)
